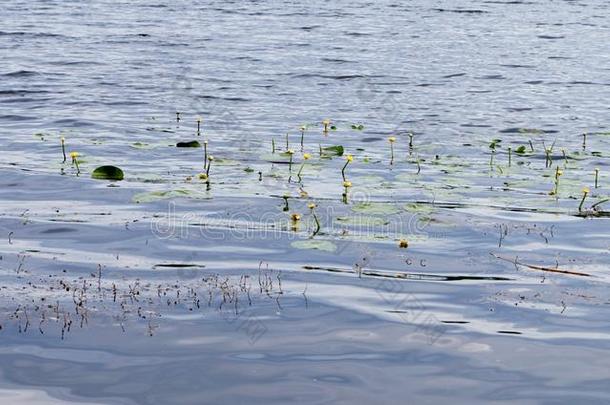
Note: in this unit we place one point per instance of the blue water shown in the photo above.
(357, 320)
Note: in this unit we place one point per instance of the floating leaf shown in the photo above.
(363, 221)
(323, 245)
(376, 208)
(162, 195)
(358, 127)
(189, 144)
(108, 173)
(520, 150)
(336, 150)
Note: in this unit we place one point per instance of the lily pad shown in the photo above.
(336, 150)
(108, 173)
(162, 195)
(362, 221)
(189, 144)
(323, 245)
(376, 208)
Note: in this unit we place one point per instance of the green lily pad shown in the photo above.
(108, 173)
(163, 195)
(323, 245)
(336, 150)
(362, 220)
(189, 144)
(372, 208)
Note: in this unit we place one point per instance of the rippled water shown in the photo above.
(160, 289)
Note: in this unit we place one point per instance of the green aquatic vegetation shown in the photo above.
(374, 208)
(108, 172)
(207, 169)
(348, 160)
(520, 150)
(198, 120)
(188, 144)
(295, 220)
(290, 153)
(328, 151)
(346, 186)
(358, 127)
(302, 129)
(596, 177)
(205, 154)
(362, 221)
(272, 145)
(306, 157)
(63, 148)
(316, 244)
(164, 195)
(326, 124)
(74, 156)
(585, 192)
(312, 208)
(392, 139)
(558, 174)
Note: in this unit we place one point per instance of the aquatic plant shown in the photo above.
(392, 139)
(348, 160)
(302, 128)
(306, 157)
(596, 177)
(346, 186)
(558, 173)
(410, 134)
(403, 243)
(326, 124)
(188, 144)
(290, 153)
(207, 169)
(312, 208)
(108, 172)
(63, 148)
(205, 154)
(177, 116)
(272, 145)
(74, 156)
(295, 218)
(510, 156)
(585, 192)
(198, 125)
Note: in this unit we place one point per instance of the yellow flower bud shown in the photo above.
(586, 190)
(295, 217)
(347, 184)
(311, 206)
(73, 155)
(306, 156)
(392, 139)
(403, 244)
(349, 158)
